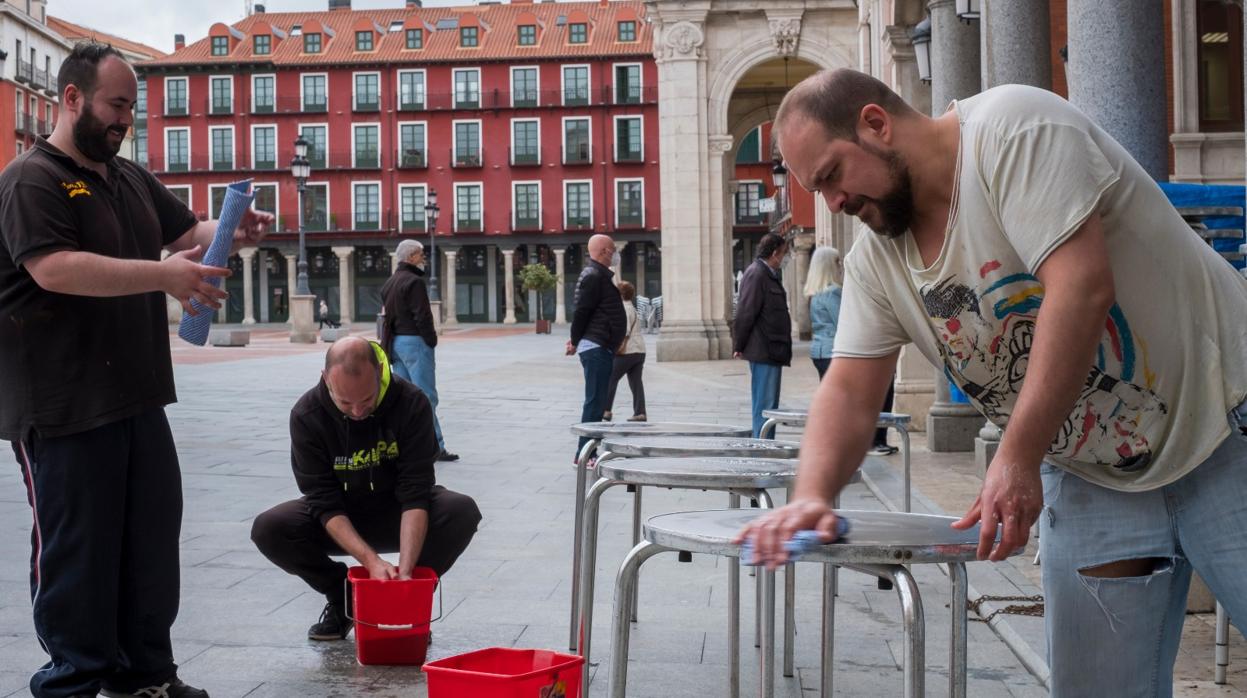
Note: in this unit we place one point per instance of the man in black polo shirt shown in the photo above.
(84, 351)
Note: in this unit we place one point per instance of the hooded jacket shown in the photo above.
(342, 465)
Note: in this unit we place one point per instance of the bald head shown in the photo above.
(601, 249)
(354, 355)
(353, 375)
(834, 99)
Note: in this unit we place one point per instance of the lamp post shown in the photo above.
(431, 210)
(969, 10)
(301, 169)
(921, 38)
(301, 301)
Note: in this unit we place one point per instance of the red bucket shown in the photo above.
(392, 616)
(501, 672)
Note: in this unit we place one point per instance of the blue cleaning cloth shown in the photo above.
(238, 198)
(802, 542)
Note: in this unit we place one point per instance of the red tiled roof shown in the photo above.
(77, 32)
(497, 38)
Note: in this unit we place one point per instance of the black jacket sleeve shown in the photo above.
(417, 451)
(313, 472)
(587, 298)
(748, 306)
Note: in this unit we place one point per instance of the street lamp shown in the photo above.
(920, 36)
(969, 10)
(430, 213)
(301, 169)
(779, 174)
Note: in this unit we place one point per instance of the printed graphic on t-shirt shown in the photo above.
(985, 334)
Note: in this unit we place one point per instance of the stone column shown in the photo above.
(640, 268)
(292, 276)
(248, 285)
(695, 237)
(394, 260)
(1015, 43)
(1115, 75)
(345, 296)
(617, 269)
(508, 278)
(262, 270)
(560, 290)
(491, 282)
(802, 248)
(955, 74)
(448, 298)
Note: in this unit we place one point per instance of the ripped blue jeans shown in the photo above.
(1119, 636)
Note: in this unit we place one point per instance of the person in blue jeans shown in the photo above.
(598, 326)
(410, 335)
(762, 328)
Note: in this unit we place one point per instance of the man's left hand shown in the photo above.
(571, 348)
(253, 227)
(1012, 496)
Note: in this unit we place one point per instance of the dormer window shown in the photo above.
(627, 31)
(363, 41)
(311, 43)
(528, 35)
(468, 37)
(415, 38)
(262, 44)
(220, 45)
(578, 33)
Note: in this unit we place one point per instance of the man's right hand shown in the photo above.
(570, 349)
(380, 569)
(737, 355)
(769, 532)
(185, 279)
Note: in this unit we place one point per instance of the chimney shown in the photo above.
(179, 42)
(414, 4)
(339, 4)
(259, 9)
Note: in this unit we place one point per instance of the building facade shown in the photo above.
(535, 124)
(30, 58)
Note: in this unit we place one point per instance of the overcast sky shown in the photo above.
(154, 22)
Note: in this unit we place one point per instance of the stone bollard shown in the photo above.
(333, 334)
(229, 338)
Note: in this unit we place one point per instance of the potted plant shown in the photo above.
(537, 277)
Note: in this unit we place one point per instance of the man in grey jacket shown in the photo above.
(762, 329)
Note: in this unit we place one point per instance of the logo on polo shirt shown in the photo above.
(76, 188)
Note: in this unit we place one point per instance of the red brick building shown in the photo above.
(536, 124)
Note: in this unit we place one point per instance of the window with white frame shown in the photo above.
(140, 104)
(222, 142)
(314, 212)
(468, 208)
(628, 84)
(526, 205)
(317, 137)
(524, 87)
(216, 200)
(263, 94)
(629, 203)
(367, 141)
(367, 91)
(177, 149)
(264, 147)
(525, 142)
(175, 96)
(265, 198)
(468, 143)
(577, 146)
(315, 93)
(182, 192)
(467, 88)
(578, 205)
(628, 146)
(222, 89)
(411, 199)
(140, 145)
(410, 90)
(412, 151)
(575, 85)
(748, 194)
(366, 203)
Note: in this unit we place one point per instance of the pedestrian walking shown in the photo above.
(762, 329)
(629, 360)
(598, 326)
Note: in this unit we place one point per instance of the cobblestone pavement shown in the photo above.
(507, 398)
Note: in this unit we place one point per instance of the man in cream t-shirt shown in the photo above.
(1023, 251)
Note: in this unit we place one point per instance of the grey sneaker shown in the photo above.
(333, 624)
(173, 688)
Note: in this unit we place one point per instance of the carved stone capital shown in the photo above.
(681, 40)
(785, 32)
(721, 144)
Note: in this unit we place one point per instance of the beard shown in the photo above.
(91, 136)
(896, 208)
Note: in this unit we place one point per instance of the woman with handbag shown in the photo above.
(629, 359)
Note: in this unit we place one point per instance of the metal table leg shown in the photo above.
(764, 502)
(957, 651)
(768, 634)
(915, 631)
(733, 615)
(829, 630)
(1223, 645)
(768, 427)
(588, 568)
(621, 627)
(636, 538)
(581, 459)
(904, 431)
(790, 612)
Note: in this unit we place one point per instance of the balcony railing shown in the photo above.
(466, 159)
(494, 99)
(25, 71)
(264, 164)
(366, 160)
(368, 104)
(41, 80)
(750, 219)
(412, 103)
(525, 157)
(26, 124)
(468, 225)
(411, 159)
(315, 106)
(580, 154)
(362, 223)
(411, 226)
(223, 164)
(264, 106)
(174, 108)
(526, 225)
(630, 220)
(626, 154)
(218, 107)
(579, 223)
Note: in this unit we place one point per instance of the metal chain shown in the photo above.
(1034, 608)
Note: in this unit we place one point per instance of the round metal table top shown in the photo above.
(874, 537)
(683, 446)
(598, 430)
(713, 473)
(797, 418)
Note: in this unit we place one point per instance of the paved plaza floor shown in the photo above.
(508, 397)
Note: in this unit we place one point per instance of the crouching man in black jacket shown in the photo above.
(362, 448)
